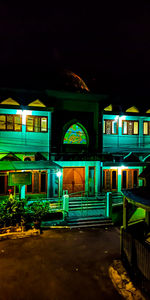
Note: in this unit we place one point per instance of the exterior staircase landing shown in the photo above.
(85, 222)
(87, 212)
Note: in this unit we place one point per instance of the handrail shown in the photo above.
(86, 193)
(80, 192)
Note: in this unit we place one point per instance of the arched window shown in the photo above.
(75, 135)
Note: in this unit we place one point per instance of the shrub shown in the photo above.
(12, 212)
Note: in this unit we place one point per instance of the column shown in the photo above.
(49, 184)
(98, 177)
(86, 179)
(125, 213)
(22, 191)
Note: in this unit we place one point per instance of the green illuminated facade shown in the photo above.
(97, 148)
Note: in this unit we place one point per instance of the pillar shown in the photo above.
(125, 213)
(119, 179)
(22, 191)
(86, 179)
(98, 177)
(65, 205)
(49, 183)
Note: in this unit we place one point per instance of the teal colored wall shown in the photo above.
(11, 141)
(120, 142)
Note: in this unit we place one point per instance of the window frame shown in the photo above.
(127, 175)
(84, 131)
(39, 180)
(148, 122)
(34, 117)
(104, 179)
(128, 121)
(6, 122)
(104, 126)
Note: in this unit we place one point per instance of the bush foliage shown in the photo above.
(14, 212)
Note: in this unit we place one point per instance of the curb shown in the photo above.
(19, 235)
(122, 282)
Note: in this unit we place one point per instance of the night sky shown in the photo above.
(107, 45)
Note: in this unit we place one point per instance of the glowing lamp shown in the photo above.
(58, 174)
(24, 113)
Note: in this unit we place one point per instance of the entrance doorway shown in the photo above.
(74, 180)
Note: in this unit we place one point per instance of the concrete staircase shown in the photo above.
(117, 198)
(85, 222)
(88, 203)
(88, 212)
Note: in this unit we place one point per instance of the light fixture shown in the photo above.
(59, 174)
(24, 113)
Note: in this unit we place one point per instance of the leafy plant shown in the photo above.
(12, 212)
(38, 210)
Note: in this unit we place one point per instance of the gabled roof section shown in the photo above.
(10, 157)
(28, 165)
(131, 157)
(10, 101)
(37, 103)
(133, 109)
(108, 108)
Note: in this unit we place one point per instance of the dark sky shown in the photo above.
(108, 45)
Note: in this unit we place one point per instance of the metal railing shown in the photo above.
(136, 255)
(82, 201)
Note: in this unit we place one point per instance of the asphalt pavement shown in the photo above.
(60, 264)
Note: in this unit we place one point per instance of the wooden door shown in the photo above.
(74, 179)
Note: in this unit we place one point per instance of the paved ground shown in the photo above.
(59, 264)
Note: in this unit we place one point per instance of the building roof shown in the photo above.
(139, 197)
(28, 165)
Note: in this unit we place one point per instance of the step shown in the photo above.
(86, 222)
(85, 208)
(85, 199)
(84, 218)
(90, 223)
(86, 202)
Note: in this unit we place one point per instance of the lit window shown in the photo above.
(136, 128)
(130, 127)
(11, 122)
(124, 127)
(110, 127)
(18, 123)
(30, 122)
(43, 124)
(2, 122)
(146, 127)
(36, 124)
